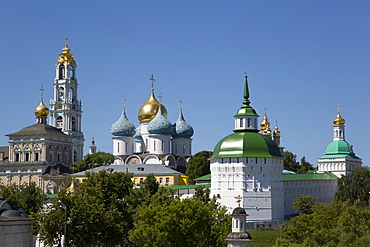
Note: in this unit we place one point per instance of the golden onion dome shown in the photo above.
(265, 125)
(339, 121)
(150, 108)
(277, 132)
(41, 110)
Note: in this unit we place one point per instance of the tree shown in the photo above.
(169, 221)
(290, 162)
(198, 165)
(93, 160)
(304, 204)
(101, 215)
(335, 224)
(28, 196)
(355, 187)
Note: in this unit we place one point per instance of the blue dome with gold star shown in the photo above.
(160, 125)
(181, 128)
(123, 127)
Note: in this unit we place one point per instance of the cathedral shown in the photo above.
(44, 153)
(155, 140)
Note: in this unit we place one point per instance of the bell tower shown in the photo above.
(65, 107)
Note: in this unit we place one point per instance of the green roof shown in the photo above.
(185, 187)
(246, 144)
(339, 149)
(205, 177)
(310, 176)
(51, 196)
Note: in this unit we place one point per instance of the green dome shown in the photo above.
(339, 149)
(246, 144)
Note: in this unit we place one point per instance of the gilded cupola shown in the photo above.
(276, 131)
(150, 108)
(66, 56)
(265, 125)
(41, 110)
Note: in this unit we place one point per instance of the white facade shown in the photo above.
(257, 180)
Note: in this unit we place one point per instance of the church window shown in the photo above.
(71, 72)
(50, 157)
(71, 94)
(61, 93)
(73, 124)
(16, 158)
(154, 146)
(27, 157)
(183, 148)
(162, 146)
(58, 157)
(61, 71)
(241, 123)
(241, 224)
(167, 180)
(59, 122)
(236, 223)
(249, 122)
(37, 156)
(126, 147)
(118, 147)
(160, 180)
(255, 122)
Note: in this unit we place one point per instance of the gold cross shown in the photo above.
(238, 200)
(338, 108)
(66, 39)
(124, 103)
(41, 91)
(153, 80)
(160, 98)
(180, 103)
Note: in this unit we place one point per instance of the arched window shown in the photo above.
(249, 122)
(241, 123)
(61, 71)
(71, 94)
(59, 122)
(71, 72)
(73, 124)
(61, 93)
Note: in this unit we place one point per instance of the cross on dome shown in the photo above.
(180, 103)
(238, 199)
(153, 80)
(42, 93)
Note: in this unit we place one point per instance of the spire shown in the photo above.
(92, 148)
(246, 101)
(338, 127)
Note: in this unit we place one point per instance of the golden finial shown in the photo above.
(42, 93)
(66, 39)
(153, 80)
(238, 200)
(338, 108)
(124, 103)
(339, 121)
(180, 103)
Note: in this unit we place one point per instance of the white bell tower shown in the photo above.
(66, 108)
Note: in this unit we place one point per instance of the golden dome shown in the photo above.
(150, 108)
(265, 124)
(66, 56)
(339, 121)
(277, 132)
(41, 110)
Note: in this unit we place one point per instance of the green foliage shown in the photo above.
(150, 184)
(100, 215)
(336, 224)
(304, 204)
(169, 221)
(93, 160)
(355, 187)
(290, 162)
(28, 196)
(198, 165)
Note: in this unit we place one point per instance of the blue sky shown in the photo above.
(302, 58)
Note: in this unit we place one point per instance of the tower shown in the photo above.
(238, 236)
(65, 107)
(249, 164)
(92, 148)
(339, 157)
